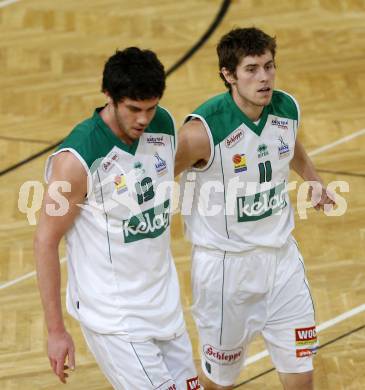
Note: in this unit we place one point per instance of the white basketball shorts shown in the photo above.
(238, 295)
(153, 364)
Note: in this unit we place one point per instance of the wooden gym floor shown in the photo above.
(51, 59)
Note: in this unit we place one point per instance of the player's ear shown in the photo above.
(229, 76)
(108, 97)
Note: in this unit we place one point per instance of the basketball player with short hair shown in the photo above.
(247, 272)
(122, 281)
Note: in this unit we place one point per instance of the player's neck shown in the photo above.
(251, 110)
(108, 116)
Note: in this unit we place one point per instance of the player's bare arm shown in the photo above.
(193, 146)
(50, 230)
(304, 167)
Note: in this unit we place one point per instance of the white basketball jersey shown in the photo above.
(121, 276)
(240, 199)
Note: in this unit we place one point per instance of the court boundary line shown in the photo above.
(23, 277)
(325, 325)
(340, 141)
(349, 333)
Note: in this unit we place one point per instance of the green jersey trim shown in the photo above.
(223, 116)
(211, 142)
(93, 139)
(116, 141)
(256, 128)
(284, 105)
(224, 191)
(162, 123)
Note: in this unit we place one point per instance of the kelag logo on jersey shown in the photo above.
(261, 205)
(149, 224)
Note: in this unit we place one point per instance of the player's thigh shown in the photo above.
(229, 294)
(290, 332)
(178, 357)
(229, 307)
(129, 365)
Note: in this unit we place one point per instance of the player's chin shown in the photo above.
(264, 100)
(136, 133)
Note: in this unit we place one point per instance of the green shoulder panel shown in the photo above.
(221, 119)
(284, 105)
(162, 123)
(89, 141)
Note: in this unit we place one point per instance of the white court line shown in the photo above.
(335, 143)
(7, 2)
(319, 328)
(23, 277)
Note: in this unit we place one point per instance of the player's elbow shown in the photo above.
(43, 243)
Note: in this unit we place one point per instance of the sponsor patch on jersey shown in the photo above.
(193, 383)
(283, 148)
(220, 356)
(156, 140)
(160, 165)
(149, 224)
(108, 161)
(239, 163)
(300, 353)
(262, 151)
(306, 336)
(261, 205)
(233, 138)
(120, 184)
(138, 169)
(280, 123)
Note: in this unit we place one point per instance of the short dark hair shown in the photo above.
(242, 42)
(133, 73)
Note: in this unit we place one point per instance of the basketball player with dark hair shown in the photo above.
(122, 282)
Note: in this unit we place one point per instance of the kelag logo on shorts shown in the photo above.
(149, 224)
(222, 357)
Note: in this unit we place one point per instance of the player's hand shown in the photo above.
(60, 345)
(320, 196)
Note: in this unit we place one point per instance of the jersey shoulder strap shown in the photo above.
(163, 123)
(284, 105)
(89, 139)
